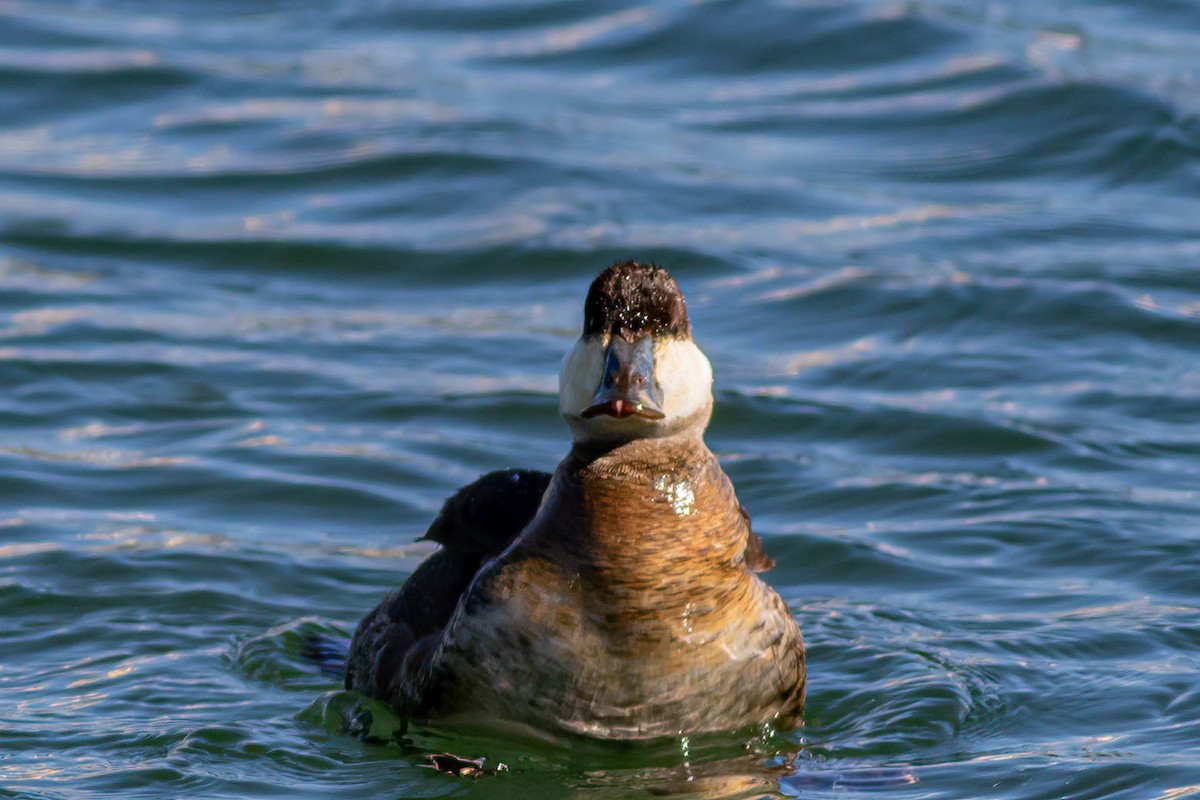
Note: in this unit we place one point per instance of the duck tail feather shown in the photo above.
(485, 516)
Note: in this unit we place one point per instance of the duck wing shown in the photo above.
(475, 524)
(756, 558)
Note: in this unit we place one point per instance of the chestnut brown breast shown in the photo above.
(626, 609)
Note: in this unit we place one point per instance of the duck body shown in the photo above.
(622, 602)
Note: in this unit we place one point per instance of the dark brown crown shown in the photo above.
(633, 299)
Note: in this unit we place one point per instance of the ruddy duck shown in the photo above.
(616, 599)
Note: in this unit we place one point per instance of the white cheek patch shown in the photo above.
(580, 374)
(685, 376)
(680, 369)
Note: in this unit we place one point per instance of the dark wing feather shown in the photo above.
(474, 525)
(756, 558)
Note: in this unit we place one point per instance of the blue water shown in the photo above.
(277, 277)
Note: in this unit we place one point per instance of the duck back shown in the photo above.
(474, 525)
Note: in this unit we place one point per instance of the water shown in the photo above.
(275, 278)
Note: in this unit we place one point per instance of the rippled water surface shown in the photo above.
(276, 277)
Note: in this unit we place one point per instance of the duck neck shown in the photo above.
(642, 506)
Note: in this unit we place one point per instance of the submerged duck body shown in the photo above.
(616, 599)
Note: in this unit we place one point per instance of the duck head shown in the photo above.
(635, 372)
